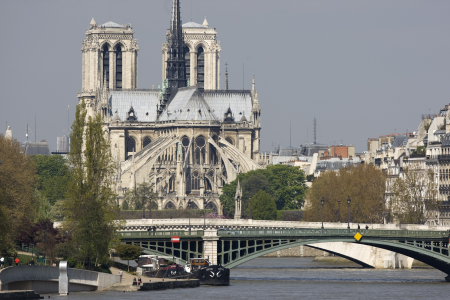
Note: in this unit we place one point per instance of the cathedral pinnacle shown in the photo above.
(205, 23)
(253, 83)
(93, 23)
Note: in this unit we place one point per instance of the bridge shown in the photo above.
(239, 244)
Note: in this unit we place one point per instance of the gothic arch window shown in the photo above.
(200, 69)
(185, 143)
(187, 62)
(212, 206)
(118, 67)
(200, 149)
(193, 181)
(131, 144)
(105, 56)
(147, 141)
(229, 140)
(193, 205)
(169, 205)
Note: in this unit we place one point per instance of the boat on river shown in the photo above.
(207, 273)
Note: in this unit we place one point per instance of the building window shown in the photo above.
(187, 63)
(105, 54)
(200, 69)
(229, 140)
(118, 67)
(200, 150)
(147, 141)
(131, 145)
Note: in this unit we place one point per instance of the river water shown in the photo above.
(300, 278)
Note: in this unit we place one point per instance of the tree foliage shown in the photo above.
(128, 252)
(263, 206)
(364, 184)
(415, 194)
(52, 176)
(17, 177)
(141, 198)
(285, 184)
(90, 208)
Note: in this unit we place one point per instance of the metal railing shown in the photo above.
(161, 233)
(336, 232)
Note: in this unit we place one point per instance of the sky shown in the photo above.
(361, 68)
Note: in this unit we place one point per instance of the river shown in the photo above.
(301, 278)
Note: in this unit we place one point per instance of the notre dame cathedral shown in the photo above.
(187, 137)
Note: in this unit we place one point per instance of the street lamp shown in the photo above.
(348, 202)
(204, 213)
(322, 201)
(339, 211)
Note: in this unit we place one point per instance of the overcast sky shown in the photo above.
(362, 68)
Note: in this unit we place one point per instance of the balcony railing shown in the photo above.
(444, 157)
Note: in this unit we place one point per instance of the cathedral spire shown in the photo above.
(175, 25)
(176, 71)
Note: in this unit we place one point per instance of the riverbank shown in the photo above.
(19, 295)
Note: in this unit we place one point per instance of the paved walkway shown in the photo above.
(127, 281)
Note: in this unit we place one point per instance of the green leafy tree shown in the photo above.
(90, 209)
(286, 184)
(43, 207)
(52, 176)
(141, 198)
(128, 252)
(263, 206)
(364, 184)
(17, 179)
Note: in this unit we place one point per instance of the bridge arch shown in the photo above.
(430, 257)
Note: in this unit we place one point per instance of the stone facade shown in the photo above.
(202, 56)
(186, 141)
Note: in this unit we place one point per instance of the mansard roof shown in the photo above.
(194, 25)
(188, 105)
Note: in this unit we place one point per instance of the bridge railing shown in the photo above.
(334, 232)
(161, 234)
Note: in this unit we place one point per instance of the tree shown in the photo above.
(90, 209)
(364, 184)
(250, 186)
(141, 197)
(286, 184)
(128, 252)
(52, 174)
(17, 177)
(415, 194)
(263, 206)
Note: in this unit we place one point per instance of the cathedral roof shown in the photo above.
(188, 105)
(113, 25)
(194, 25)
(240, 102)
(143, 102)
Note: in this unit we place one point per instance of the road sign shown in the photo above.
(358, 236)
(175, 239)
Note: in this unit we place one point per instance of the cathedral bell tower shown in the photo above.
(176, 70)
(109, 61)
